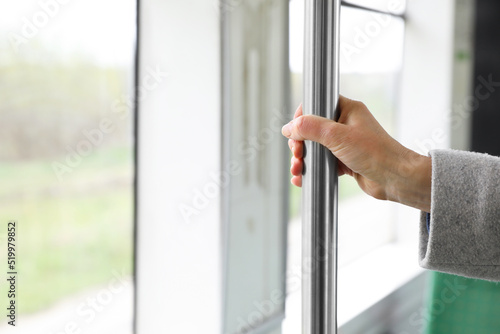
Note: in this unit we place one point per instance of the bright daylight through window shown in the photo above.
(66, 125)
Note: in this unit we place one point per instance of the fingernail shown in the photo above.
(287, 129)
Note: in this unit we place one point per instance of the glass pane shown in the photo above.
(370, 61)
(371, 55)
(66, 164)
(390, 6)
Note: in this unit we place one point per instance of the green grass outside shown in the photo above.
(72, 234)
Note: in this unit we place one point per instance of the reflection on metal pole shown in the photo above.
(319, 187)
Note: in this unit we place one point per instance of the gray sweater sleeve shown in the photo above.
(464, 236)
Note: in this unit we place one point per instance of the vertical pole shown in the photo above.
(320, 187)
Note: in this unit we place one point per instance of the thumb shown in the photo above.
(315, 128)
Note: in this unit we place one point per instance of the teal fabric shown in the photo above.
(459, 305)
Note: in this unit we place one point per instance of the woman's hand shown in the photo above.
(383, 168)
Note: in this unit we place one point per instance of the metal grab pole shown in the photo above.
(319, 186)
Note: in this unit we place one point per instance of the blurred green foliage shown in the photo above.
(45, 105)
(76, 231)
(72, 234)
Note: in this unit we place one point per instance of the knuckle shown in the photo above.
(299, 124)
(360, 104)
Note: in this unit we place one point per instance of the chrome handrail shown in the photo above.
(320, 182)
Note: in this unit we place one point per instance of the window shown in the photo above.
(371, 56)
(371, 60)
(67, 171)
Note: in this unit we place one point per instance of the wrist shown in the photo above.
(411, 182)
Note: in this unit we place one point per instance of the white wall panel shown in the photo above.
(179, 256)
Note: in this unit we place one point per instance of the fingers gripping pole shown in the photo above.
(320, 187)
